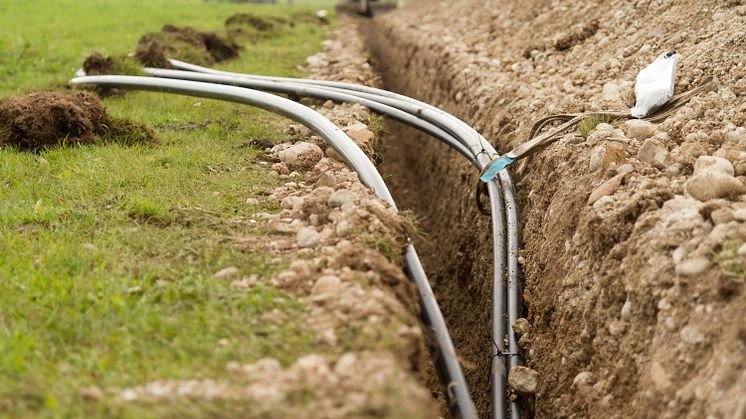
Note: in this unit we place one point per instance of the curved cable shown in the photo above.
(354, 157)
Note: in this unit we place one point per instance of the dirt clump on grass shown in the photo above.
(98, 63)
(185, 43)
(45, 119)
(247, 25)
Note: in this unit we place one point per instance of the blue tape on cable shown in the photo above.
(496, 167)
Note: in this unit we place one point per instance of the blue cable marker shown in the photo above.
(495, 167)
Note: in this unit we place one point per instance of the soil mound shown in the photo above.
(185, 43)
(98, 63)
(243, 26)
(45, 119)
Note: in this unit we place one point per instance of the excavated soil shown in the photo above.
(45, 119)
(184, 43)
(633, 236)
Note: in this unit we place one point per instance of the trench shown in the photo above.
(437, 185)
(429, 179)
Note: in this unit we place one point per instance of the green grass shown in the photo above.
(107, 251)
(589, 124)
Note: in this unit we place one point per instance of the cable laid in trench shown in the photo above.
(356, 159)
(505, 220)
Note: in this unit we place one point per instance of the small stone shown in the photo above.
(289, 202)
(711, 184)
(713, 164)
(602, 202)
(625, 168)
(690, 151)
(691, 335)
(627, 310)
(739, 214)
(251, 201)
(742, 250)
(333, 154)
(584, 382)
(610, 91)
(597, 158)
(603, 126)
(229, 273)
(525, 341)
(521, 326)
(307, 237)
(606, 188)
(341, 198)
(692, 266)
(91, 393)
(659, 377)
(325, 286)
(639, 129)
(721, 216)
(524, 380)
(328, 104)
(301, 156)
(362, 137)
(327, 338)
(327, 179)
(649, 150)
(614, 154)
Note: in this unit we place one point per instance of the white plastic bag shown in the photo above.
(654, 85)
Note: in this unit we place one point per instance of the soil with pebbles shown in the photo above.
(633, 253)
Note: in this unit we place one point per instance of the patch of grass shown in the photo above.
(107, 251)
(413, 224)
(589, 124)
(385, 245)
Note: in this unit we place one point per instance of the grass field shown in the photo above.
(107, 252)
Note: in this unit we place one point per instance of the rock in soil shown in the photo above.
(307, 237)
(521, 326)
(523, 379)
(301, 156)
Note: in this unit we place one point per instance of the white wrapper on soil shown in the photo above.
(655, 84)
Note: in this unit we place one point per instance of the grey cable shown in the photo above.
(354, 157)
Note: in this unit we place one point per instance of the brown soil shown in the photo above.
(247, 25)
(621, 324)
(97, 63)
(46, 119)
(185, 43)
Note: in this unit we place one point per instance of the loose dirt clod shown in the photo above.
(247, 25)
(185, 43)
(43, 119)
(98, 63)
(46, 119)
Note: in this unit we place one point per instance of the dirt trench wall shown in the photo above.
(636, 298)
